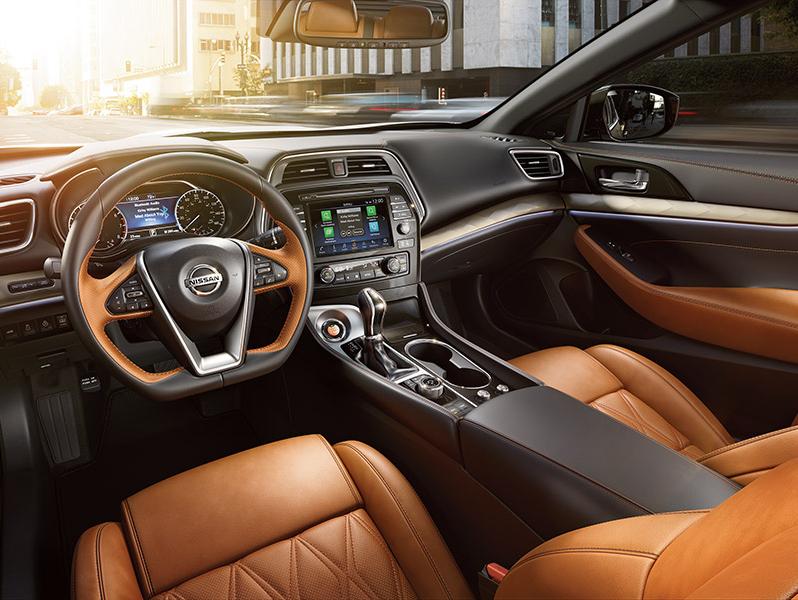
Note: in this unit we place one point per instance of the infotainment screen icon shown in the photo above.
(350, 226)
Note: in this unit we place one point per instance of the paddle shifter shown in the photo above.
(372, 308)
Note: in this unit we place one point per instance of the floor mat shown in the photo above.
(143, 442)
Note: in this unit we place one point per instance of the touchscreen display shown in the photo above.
(351, 226)
(149, 211)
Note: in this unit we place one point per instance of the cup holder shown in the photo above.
(448, 363)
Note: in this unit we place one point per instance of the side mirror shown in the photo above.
(631, 112)
(355, 23)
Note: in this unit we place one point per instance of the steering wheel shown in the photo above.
(197, 289)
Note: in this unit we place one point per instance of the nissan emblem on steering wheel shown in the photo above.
(204, 280)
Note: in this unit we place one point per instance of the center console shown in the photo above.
(556, 463)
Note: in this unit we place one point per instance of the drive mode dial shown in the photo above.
(327, 275)
(392, 265)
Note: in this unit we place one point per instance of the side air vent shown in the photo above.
(499, 138)
(306, 170)
(17, 219)
(538, 164)
(367, 165)
(13, 179)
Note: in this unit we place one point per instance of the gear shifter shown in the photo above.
(372, 308)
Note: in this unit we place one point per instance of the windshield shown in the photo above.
(75, 71)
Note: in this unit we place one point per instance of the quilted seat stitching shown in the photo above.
(634, 422)
(349, 578)
(407, 518)
(675, 439)
(685, 397)
(259, 581)
(397, 578)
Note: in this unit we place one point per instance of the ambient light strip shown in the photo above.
(658, 207)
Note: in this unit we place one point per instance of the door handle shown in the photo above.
(638, 184)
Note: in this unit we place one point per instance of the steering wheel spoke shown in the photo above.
(178, 339)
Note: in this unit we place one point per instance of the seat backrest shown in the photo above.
(242, 503)
(746, 546)
(743, 548)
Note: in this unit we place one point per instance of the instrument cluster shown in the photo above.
(174, 208)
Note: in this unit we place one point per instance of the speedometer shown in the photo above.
(114, 229)
(200, 212)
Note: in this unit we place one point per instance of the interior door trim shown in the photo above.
(761, 321)
(659, 207)
(495, 215)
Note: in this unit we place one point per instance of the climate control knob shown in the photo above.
(391, 265)
(326, 275)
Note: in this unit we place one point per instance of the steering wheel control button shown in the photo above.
(333, 330)
(129, 297)
(267, 272)
(204, 280)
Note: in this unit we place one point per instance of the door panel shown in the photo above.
(761, 321)
(712, 294)
(727, 176)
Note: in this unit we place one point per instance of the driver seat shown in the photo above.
(294, 519)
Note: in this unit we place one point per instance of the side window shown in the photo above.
(738, 84)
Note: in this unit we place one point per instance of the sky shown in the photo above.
(30, 28)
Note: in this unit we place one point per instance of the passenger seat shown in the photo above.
(636, 391)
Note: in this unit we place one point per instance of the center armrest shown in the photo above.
(560, 465)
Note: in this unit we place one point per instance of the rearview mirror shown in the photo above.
(632, 112)
(355, 23)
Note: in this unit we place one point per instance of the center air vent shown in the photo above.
(538, 164)
(367, 165)
(16, 224)
(13, 179)
(306, 170)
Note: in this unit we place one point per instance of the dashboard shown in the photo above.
(381, 194)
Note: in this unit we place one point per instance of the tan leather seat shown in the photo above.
(332, 18)
(743, 548)
(407, 22)
(293, 519)
(646, 397)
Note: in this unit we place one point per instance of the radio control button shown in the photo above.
(392, 265)
(327, 275)
(403, 228)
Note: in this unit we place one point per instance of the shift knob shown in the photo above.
(372, 308)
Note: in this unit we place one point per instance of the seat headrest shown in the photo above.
(339, 16)
(408, 22)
